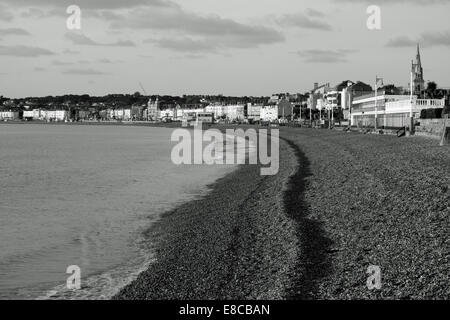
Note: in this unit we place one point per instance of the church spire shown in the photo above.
(417, 74)
(418, 62)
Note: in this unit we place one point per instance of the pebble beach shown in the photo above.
(340, 203)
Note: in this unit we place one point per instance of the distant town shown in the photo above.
(349, 103)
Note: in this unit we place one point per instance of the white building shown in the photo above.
(218, 110)
(254, 112)
(9, 115)
(51, 115)
(166, 114)
(331, 100)
(28, 114)
(316, 99)
(122, 114)
(188, 114)
(152, 109)
(389, 110)
(235, 112)
(269, 113)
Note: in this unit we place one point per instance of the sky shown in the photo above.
(230, 47)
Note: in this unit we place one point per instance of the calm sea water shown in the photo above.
(83, 195)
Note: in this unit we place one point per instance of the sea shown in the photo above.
(83, 196)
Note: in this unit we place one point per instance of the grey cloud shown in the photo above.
(70, 51)
(176, 19)
(5, 14)
(33, 12)
(409, 2)
(314, 13)
(82, 40)
(24, 51)
(304, 21)
(14, 31)
(61, 63)
(88, 4)
(436, 38)
(39, 13)
(426, 39)
(190, 56)
(401, 41)
(84, 72)
(194, 56)
(325, 56)
(108, 61)
(183, 45)
(206, 44)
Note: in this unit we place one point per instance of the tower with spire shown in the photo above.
(417, 74)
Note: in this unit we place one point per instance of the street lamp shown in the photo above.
(376, 99)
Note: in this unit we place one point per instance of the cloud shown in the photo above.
(14, 32)
(158, 15)
(436, 38)
(41, 13)
(108, 61)
(314, 13)
(325, 56)
(24, 51)
(190, 56)
(82, 40)
(5, 14)
(408, 2)
(183, 45)
(306, 20)
(401, 41)
(70, 51)
(194, 56)
(87, 4)
(426, 39)
(83, 72)
(205, 44)
(61, 63)
(212, 27)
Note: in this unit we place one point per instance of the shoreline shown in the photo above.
(340, 203)
(311, 232)
(237, 242)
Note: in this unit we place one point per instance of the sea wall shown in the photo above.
(433, 127)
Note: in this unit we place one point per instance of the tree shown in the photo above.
(431, 89)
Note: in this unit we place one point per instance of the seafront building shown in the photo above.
(9, 115)
(45, 115)
(218, 110)
(253, 112)
(152, 110)
(389, 110)
(382, 109)
(269, 113)
(235, 112)
(353, 103)
(316, 100)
